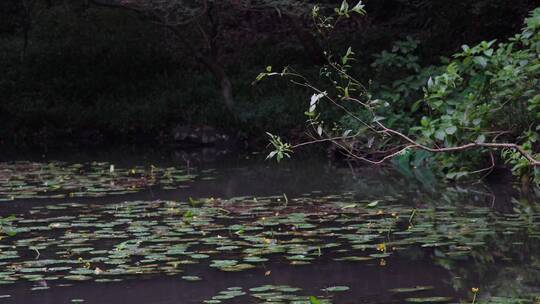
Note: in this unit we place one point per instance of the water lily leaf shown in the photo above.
(336, 288)
(429, 300)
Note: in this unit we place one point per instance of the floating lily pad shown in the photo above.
(429, 300)
(191, 278)
(336, 288)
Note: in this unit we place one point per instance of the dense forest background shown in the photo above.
(85, 71)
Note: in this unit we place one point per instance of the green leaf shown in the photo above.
(373, 204)
(430, 83)
(416, 105)
(424, 122)
(359, 8)
(440, 135)
(481, 139)
(344, 9)
(336, 288)
(481, 61)
(451, 130)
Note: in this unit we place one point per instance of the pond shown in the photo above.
(201, 227)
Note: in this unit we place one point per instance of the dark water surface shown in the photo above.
(237, 229)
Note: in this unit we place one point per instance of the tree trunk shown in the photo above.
(223, 80)
(226, 92)
(209, 59)
(26, 30)
(27, 26)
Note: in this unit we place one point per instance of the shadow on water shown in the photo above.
(305, 223)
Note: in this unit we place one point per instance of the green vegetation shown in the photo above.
(53, 243)
(481, 106)
(20, 180)
(96, 70)
(6, 227)
(443, 90)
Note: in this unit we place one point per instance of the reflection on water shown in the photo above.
(248, 231)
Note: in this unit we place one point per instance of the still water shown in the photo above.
(199, 227)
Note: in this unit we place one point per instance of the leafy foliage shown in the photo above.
(6, 226)
(282, 149)
(465, 107)
(487, 93)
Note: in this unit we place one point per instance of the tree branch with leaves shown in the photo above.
(463, 109)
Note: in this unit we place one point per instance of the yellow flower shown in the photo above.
(474, 289)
